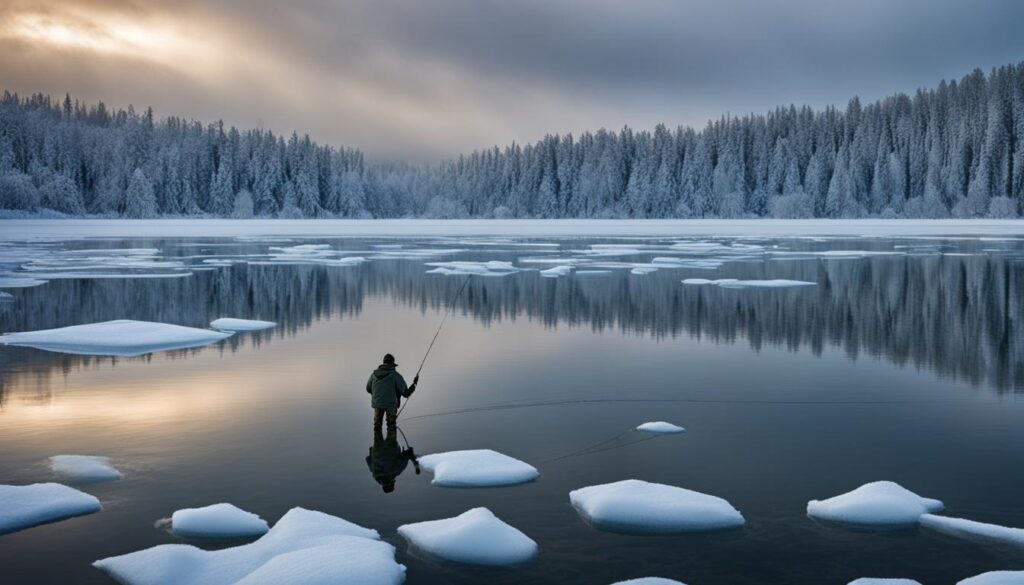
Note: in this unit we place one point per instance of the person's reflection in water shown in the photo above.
(387, 460)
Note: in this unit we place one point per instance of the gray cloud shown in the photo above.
(426, 80)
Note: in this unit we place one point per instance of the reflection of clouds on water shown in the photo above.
(952, 314)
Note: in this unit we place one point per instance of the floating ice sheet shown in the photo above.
(882, 581)
(649, 581)
(995, 578)
(557, 271)
(20, 282)
(660, 427)
(475, 537)
(217, 521)
(230, 324)
(123, 337)
(963, 528)
(84, 468)
(303, 548)
(881, 504)
(24, 506)
(465, 268)
(639, 507)
(477, 468)
(736, 283)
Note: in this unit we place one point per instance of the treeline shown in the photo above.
(953, 151)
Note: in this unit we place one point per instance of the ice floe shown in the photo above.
(640, 507)
(217, 521)
(303, 548)
(477, 468)
(6, 297)
(24, 506)
(649, 581)
(882, 504)
(660, 427)
(882, 581)
(123, 337)
(465, 268)
(560, 270)
(995, 578)
(84, 468)
(736, 283)
(230, 324)
(475, 537)
(20, 282)
(971, 529)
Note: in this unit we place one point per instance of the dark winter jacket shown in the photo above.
(387, 460)
(387, 387)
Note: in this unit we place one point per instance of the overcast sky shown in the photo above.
(426, 79)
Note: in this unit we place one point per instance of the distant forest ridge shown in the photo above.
(956, 150)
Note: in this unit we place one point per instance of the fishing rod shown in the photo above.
(451, 307)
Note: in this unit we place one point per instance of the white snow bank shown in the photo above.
(229, 324)
(995, 578)
(84, 468)
(475, 537)
(635, 506)
(736, 283)
(641, 270)
(660, 427)
(877, 581)
(217, 521)
(303, 548)
(963, 528)
(877, 504)
(477, 468)
(649, 581)
(23, 506)
(18, 282)
(465, 268)
(123, 337)
(6, 296)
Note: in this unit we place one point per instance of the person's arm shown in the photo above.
(412, 388)
(400, 388)
(369, 385)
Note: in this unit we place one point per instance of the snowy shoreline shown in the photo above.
(64, 229)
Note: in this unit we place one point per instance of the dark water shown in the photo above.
(902, 367)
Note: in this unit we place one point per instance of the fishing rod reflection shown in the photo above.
(387, 458)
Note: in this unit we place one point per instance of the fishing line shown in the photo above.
(451, 307)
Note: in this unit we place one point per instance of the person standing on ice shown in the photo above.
(387, 388)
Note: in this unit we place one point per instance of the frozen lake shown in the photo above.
(903, 360)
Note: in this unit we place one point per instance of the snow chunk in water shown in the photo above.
(995, 578)
(17, 282)
(84, 468)
(475, 537)
(877, 581)
(882, 504)
(465, 268)
(963, 528)
(634, 506)
(24, 506)
(303, 548)
(477, 468)
(736, 283)
(660, 427)
(560, 270)
(217, 521)
(650, 581)
(228, 324)
(123, 337)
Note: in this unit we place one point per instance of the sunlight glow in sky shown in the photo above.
(429, 80)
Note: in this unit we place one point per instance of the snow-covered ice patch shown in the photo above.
(6, 297)
(303, 548)
(123, 337)
(84, 468)
(24, 506)
(229, 324)
(635, 506)
(963, 528)
(882, 581)
(642, 270)
(466, 268)
(881, 504)
(19, 282)
(217, 521)
(560, 270)
(660, 427)
(736, 283)
(995, 578)
(475, 537)
(650, 581)
(477, 468)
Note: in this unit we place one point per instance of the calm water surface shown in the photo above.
(907, 366)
